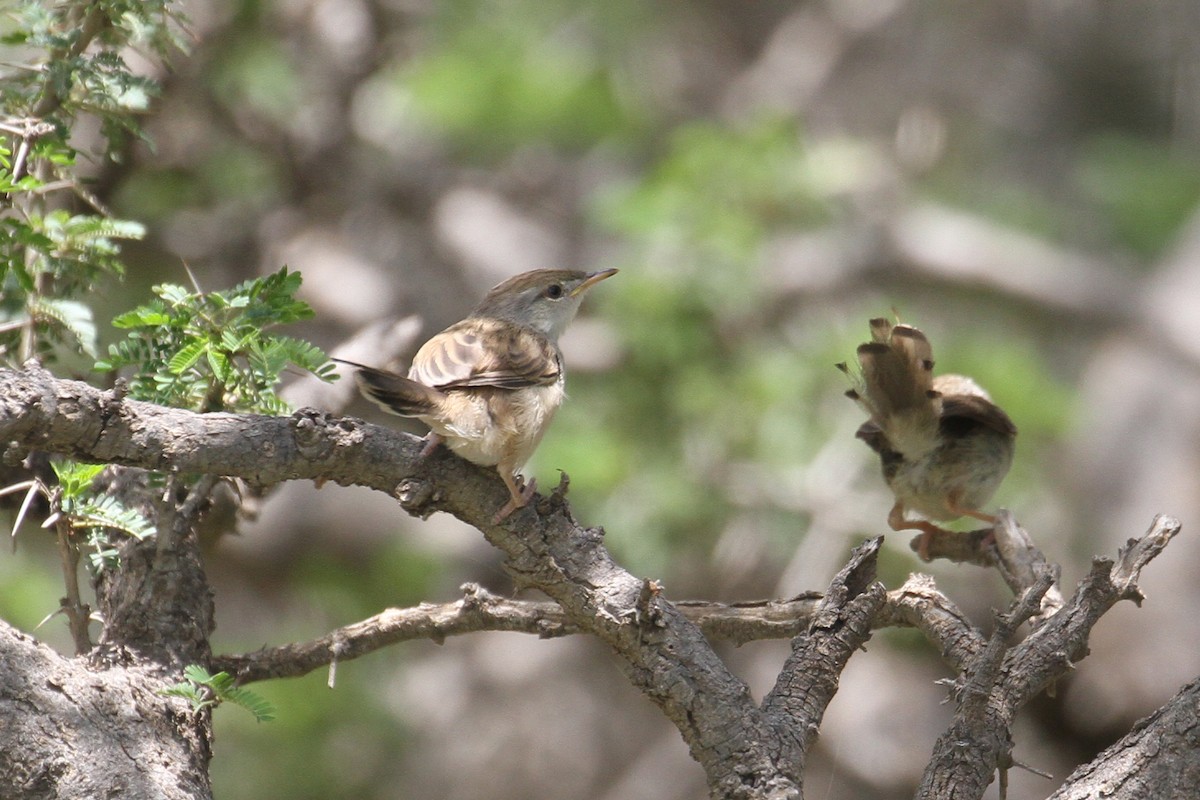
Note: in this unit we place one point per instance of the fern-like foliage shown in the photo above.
(99, 518)
(204, 690)
(210, 351)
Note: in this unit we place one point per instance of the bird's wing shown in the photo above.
(962, 411)
(897, 367)
(484, 352)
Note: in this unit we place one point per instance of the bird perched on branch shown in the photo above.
(944, 445)
(489, 385)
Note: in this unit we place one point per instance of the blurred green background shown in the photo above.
(1018, 179)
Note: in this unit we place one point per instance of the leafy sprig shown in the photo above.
(75, 507)
(204, 690)
(209, 351)
(97, 516)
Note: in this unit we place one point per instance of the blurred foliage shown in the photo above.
(65, 63)
(496, 75)
(1145, 191)
(708, 382)
(323, 743)
(702, 210)
(48, 258)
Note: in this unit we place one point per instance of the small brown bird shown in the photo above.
(944, 445)
(488, 386)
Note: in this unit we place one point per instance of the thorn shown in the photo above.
(49, 617)
(25, 504)
(1035, 771)
(192, 277)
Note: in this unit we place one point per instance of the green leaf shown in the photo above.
(148, 316)
(173, 293)
(185, 358)
(221, 366)
(197, 674)
(73, 316)
(75, 478)
(262, 709)
(108, 512)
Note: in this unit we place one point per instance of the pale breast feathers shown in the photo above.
(478, 352)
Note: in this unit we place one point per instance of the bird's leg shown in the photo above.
(520, 494)
(959, 511)
(897, 522)
(432, 440)
(952, 503)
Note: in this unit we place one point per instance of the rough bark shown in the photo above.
(72, 731)
(1156, 759)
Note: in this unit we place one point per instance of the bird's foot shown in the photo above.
(929, 531)
(432, 440)
(522, 493)
(959, 510)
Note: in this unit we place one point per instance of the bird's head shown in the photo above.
(544, 299)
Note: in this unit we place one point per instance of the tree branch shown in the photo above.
(978, 743)
(661, 652)
(1158, 758)
(841, 625)
(478, 610)
(1006, 547)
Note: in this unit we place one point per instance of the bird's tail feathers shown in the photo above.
(395, 393)
(897, 386)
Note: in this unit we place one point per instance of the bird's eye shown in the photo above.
(554, 291)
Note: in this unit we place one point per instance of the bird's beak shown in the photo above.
(591, 280)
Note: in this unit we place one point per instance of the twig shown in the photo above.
(477, 610)
(76, 611)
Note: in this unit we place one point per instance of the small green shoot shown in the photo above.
(203, 691)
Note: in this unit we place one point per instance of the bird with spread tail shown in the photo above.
(489, 385)
(944, 445)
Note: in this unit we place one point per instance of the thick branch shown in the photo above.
(1050, 651)
(977, 742)
(919, 604)
(840, 627)
(1158, 758)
